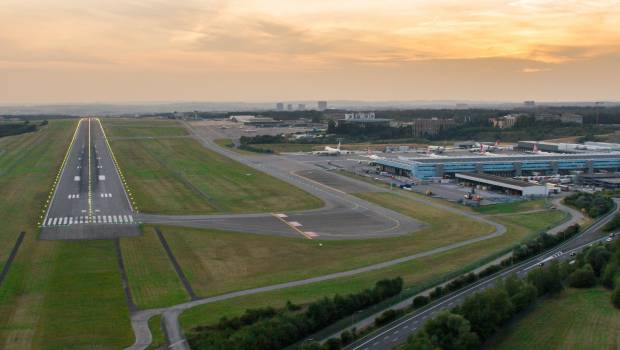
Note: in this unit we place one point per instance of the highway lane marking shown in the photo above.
(291, 226)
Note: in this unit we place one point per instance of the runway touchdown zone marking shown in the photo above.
(98, 219)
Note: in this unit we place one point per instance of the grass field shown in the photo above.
(414, 273)
(157, 332)
(216, 262)
(154, 282)
(578, 319)
(57, 295)
(143, 128)
(180, 176)
(507, 208)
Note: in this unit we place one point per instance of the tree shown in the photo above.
(582, 278)
(331, 126)
(615, 296)
(547, 281)
(449, 331)
(598, 258)
(419, 341)
(487, 311)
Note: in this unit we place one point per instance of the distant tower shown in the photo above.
(530, 104)
(322, 105)
(289, 107)
(301, 107)
(280, 106)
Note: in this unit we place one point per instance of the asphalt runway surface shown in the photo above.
(89, 201)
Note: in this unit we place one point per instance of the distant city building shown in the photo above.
(529, 104)
(359, 116)
(362, 118)
(301, 107)
(289, 107)
(430, 126)
(562, 118)
(505, 122)
(322, 105)
(280, 106)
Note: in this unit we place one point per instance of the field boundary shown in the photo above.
(125, 281)
(9, 260)
(175, 264)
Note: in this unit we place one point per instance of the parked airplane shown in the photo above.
(330, 151)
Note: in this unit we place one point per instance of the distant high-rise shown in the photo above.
(530, 104)
(301, 107)
(280, 106)
(322, 105)
(289, 107)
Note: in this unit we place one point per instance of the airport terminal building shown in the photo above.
(425, 168)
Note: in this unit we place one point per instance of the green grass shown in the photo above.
(143, 128)
(180, 176)
(84, 305)
(57, 295)
(507, 208)
(27, 167)
(157, 332)
(578, 319)
(153, 281)
(216, 261)
(414, 273)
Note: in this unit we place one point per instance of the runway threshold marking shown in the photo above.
(289, 224)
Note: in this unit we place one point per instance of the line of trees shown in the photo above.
(16, 128)
(267, 328)
(485, 313)
(594, 205)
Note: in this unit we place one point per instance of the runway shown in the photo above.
(89, 200)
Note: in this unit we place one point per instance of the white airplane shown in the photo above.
(330, 151)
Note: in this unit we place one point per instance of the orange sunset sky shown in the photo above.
(54, 51)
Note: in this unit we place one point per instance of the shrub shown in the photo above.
(388, 316)
(420, 301)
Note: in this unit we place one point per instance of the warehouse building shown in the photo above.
(503, 184)
(506, 165)
(603, 180)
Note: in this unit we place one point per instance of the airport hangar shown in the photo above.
(425, 168)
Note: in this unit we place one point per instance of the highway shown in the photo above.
(89, 200)
(396, 333)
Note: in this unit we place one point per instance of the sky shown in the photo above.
(59, 51)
